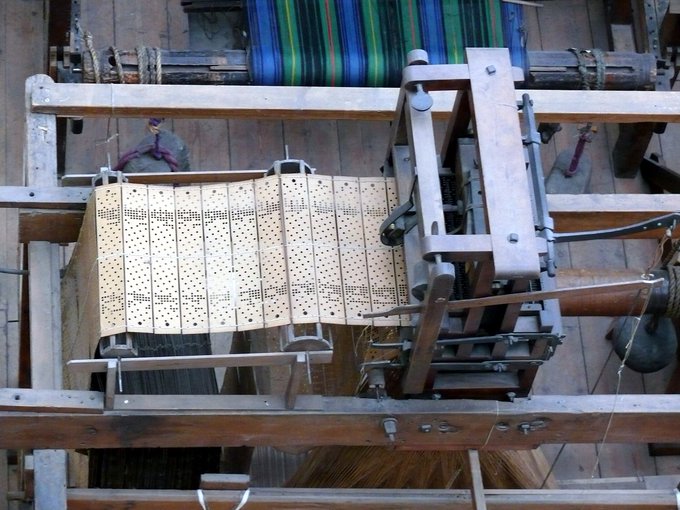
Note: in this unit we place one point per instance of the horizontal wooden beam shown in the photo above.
(164, 421)
(571, 213)
(264, 498)
(352, 103)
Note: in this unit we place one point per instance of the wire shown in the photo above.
(19, 272)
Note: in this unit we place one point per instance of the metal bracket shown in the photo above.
(107, 176)
(112, 347)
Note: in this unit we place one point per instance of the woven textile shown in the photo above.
(364, 42)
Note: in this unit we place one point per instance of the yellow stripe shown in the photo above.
(292, 47)
(375, 45)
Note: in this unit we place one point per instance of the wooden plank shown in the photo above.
(572, 213)
(478, 499)
(503, 168)
(55, 227)
(255, 143)
(347, 421)
(371, 499)
(355, 103)
(40, 168)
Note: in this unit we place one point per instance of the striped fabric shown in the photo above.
(364, 42)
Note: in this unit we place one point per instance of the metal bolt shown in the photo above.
(445, 427)
(513, 238)
(490, 70)
(425, 428)
(46, 100)
(525, 428)
(390, 427)
(502, 426)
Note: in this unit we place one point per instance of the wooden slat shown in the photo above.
(205, 101)
(347, 421)
(371, 499)
(478, 499)
(40, 168)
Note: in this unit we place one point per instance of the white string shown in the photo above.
(201, 499)
(619, 376)
(244, 499)
(493, 426)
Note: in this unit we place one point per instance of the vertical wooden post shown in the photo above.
(40, 169)
(478, 500)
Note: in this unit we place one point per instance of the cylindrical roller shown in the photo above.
(189, 67)
(621, 70)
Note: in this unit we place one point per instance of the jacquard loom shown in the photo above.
(444, 261)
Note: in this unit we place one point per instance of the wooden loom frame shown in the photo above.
(47, 417)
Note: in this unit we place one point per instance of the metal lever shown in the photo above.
(666, 221)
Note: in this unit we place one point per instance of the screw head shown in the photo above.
(490, 70)
(425, 428)
(513, 238)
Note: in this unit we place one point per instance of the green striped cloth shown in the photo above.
(364, 42)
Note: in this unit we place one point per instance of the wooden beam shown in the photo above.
(261, 498)
(478, 499)
(351, 103)
(571, 213)
(40, 169)
(343, 421)
(54, 226)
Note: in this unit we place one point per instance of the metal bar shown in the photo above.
(207, 361)
(524, 297)
(297, 368)
(111, 372)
